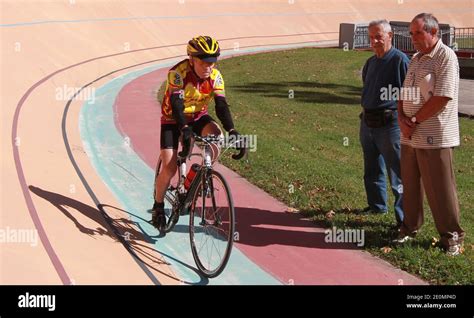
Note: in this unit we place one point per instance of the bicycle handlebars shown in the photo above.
(214, 139)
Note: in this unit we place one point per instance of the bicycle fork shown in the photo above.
(208, 191)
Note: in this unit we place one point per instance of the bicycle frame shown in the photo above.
(185, 198)
(202, 174)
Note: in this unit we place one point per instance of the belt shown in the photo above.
(378, 111)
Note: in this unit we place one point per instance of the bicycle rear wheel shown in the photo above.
(211, 224)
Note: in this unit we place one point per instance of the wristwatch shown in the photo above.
(413, 120)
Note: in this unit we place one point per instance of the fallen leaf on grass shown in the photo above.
(330, 214)
(386, 249)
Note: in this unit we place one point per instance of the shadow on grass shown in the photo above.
(321, 93)
(378, 232)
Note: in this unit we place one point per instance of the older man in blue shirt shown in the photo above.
(383, 76)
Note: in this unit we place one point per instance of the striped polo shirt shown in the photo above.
(433, 74)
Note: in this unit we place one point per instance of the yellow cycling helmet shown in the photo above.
(204, 48)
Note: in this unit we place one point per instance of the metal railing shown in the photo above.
(401, 39)
(463, 39)
(361, 37)
(456, 38)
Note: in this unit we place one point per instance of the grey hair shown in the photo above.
(430, 21)
(384, 23)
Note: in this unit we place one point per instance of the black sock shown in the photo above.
(159, 205)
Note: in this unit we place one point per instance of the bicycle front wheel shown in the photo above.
(211, 224)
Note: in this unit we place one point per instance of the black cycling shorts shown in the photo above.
(170, 133)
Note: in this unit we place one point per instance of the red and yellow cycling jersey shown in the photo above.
(197, 92)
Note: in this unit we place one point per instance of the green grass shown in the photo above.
(309, 156)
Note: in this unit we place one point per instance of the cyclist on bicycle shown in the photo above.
(191, 85)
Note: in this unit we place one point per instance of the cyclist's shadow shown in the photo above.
(113, 227)
(124, 226)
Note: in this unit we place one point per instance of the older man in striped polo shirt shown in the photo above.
(428, 118)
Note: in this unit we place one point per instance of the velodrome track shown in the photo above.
(80, 173)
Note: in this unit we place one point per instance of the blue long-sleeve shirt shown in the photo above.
(381, 75)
